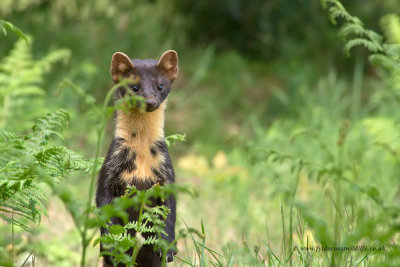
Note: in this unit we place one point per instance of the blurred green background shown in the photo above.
(263, 85)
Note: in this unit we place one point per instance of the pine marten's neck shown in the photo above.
(141, 126)
(140, 132)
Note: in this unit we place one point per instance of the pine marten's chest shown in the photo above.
(140, 151)
(140, 158)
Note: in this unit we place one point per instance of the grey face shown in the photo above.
(154, 77)
(152, 84)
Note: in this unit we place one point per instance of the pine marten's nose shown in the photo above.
(151, 104)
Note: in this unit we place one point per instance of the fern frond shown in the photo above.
(45, 63)
(337, 13)
(8, 26)
(349, 29)
(28, 203)
(170, 140)
(152, 240)
(21, 77)
(91, 165)
(353, 31)
(27, 161)
(5, 136)
(48, 126)
(149, 230)
(369, 45)
(384, 61)
(16, 221)
(20, 57)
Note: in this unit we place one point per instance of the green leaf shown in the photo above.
(5, 25)
(170, 140)
(29, 90)
(116, 229)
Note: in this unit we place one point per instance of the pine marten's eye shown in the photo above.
(160, 87)
(135, 88)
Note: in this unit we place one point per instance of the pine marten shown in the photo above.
(138, 154)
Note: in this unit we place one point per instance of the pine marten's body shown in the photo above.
(138, 154)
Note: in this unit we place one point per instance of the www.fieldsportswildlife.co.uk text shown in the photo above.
(350, 248)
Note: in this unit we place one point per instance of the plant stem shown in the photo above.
(291, 214)
(283, 232)
(12, 237)
(100, 134)
(85, 242)
(338, 203)
(357, 84)
(140, 216)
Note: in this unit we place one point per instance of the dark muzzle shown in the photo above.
(151, 105)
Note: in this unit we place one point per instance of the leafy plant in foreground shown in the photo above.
(28, 160)
(149, 228)
(21, 77)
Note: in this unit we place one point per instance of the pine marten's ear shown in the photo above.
(121, 66)
(168, 64)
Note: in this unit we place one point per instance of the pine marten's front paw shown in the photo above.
(170, 255)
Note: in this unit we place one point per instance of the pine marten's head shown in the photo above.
(153, 78)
